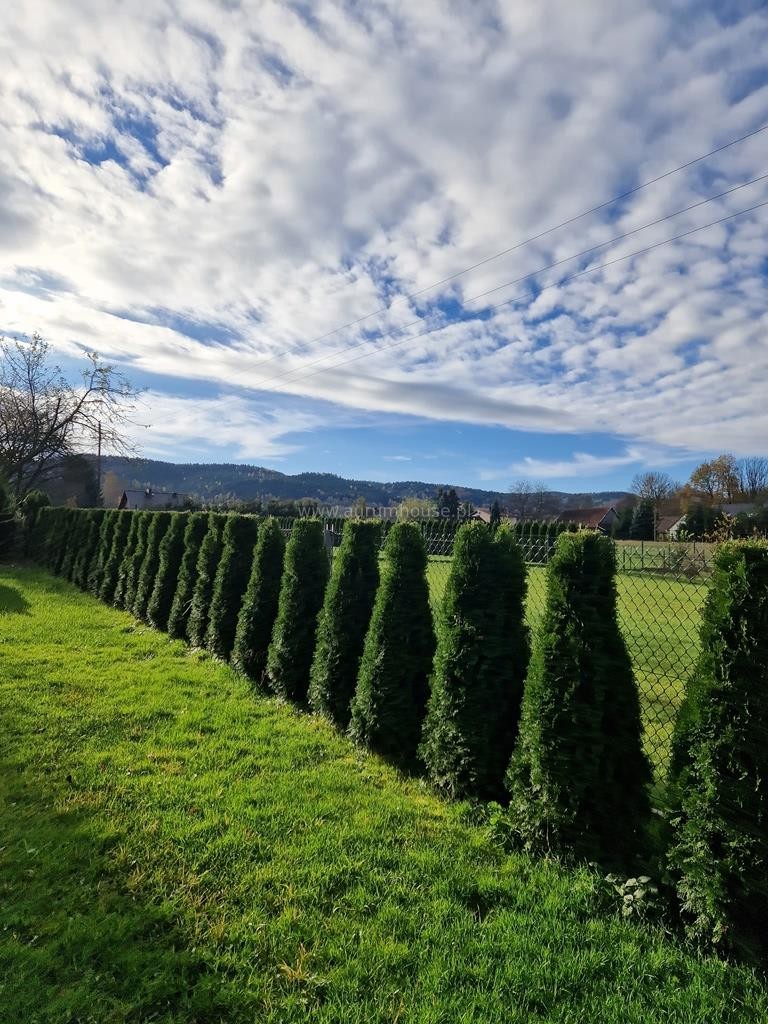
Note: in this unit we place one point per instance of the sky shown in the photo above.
(236, 202)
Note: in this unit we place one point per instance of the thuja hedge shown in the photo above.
(181, 604)
(259, 608)
(135, 559)
(719, 852)
(305, 575)
(170, 554)
(205, 575)
(234, 568)
(578, 775)
(90, 541)
(102, 552)
(124, 527)
(480, 666)
(392, 689)
(344, 619)
(126, 556)
(158, 527)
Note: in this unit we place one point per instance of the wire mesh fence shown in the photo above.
(661, 591)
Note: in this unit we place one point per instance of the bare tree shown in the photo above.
(44, 418)
(527, 498)
(753, 475)
(653, 486)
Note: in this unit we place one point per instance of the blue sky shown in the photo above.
(205, 194)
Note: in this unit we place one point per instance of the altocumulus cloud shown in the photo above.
(203, 191)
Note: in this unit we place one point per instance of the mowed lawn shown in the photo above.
(659, 617)
(175, 848)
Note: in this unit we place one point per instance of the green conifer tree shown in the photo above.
(113, 580)
(292, 646)
(170, 554)
(344, 620)
(392, 690)
(480, 666)
(103, 549)
(136, 558)
(205, 572)
(578, 775)
(194, 534)
(259, 608)
(719, 852)
(91, 531)
(157, 529)
(238, 541)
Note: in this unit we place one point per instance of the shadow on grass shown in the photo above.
(78, 944)
(12, 601)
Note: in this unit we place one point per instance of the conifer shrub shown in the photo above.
(305, 574)
(344, 619)
(480, 666)
(238, 541)
(74, 542)
(135, 558)
(103, 549)
(578, 776)
(170, 554)
(719, 849)
(194, 533)
(54, 527)
(123, 539)
(7, 520)
(30, 507)
(205, 576)
(93, 518)
(145, 584)
(392, 689)
(259, 608)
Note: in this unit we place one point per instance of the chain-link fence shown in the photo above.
(661, 590)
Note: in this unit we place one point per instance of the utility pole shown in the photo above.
(98, 461)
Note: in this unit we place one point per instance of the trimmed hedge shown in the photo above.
(392, 689)
(61, 540)
(76, 539)
(30, 507)
(238, 541)
(158, 527)
(170, 554)
(135, 558)
(578, 775)
(194, 534)
(103, 548)
(305, 575)
(207, 561)
(259, 608)
(344, 620)
(91, 529)
(480, 666)
(719, 852)
(124, 529)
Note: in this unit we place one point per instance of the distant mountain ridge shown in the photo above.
(213, 482)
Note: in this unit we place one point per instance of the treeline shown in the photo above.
(552, 728)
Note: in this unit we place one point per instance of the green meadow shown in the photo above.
(177, 848)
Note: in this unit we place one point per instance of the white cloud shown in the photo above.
(277, 174)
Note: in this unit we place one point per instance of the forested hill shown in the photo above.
(220, 481)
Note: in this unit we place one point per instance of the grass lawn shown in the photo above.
(175, 849)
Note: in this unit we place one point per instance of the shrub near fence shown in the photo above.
(720, 765)
(238, 541)
(207, 561)
(124, 526)
(181, 604)
(156, 531)
(170, 555)
(259, 609)
(578, 775)
(101, 554)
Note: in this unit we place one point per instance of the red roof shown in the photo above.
(585, 516)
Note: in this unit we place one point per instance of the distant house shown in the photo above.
(739, 508)
(600, 519)
(668, 527)
(147, 498)
(482, 514)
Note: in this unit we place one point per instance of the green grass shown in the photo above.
(659, 618)
(174, 848)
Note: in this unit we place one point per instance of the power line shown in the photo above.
(524, 295)
(526, 241)
(524, 277)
